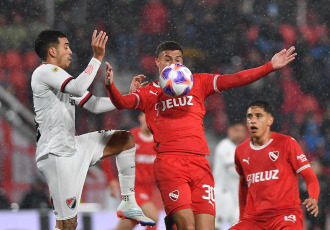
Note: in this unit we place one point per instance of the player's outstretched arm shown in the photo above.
(313, 189)
(120, 101)
(98, 44)
(93, 104)
(283, 58)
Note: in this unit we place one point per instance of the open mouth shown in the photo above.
(253, 129)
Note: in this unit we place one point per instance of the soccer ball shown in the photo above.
(176, 80)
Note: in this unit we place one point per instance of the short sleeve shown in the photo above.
(141, 100)
(296, 157)
(208, 83)
(55, 77)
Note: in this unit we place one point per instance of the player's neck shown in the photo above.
(262, 140)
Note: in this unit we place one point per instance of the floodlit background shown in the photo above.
(218, 36)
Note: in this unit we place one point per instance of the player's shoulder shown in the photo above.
(198, 76)
(45, 69)
(244, 145)
(281, 137)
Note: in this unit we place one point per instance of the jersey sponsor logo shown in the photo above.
(290, 218)
(155, 93)
(302, 158)
(274, 155)
(144, 158)
(262, 176)
(247, 160)
(209, 190)
(71, 202)
(174, 195)
(89, 69)
(55, 69)
(173, 102)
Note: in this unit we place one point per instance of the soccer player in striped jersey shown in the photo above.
(62, 157)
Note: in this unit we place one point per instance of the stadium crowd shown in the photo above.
(218, 36)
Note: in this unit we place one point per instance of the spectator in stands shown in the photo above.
(36, 197)
(4, 200)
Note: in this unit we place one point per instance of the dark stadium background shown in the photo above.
(218, 36)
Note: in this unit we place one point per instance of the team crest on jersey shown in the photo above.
(71, 202)
(174, 195)
(55, 69)
(274, 155)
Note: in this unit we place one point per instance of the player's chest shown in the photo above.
(264, 162)
(161, 105)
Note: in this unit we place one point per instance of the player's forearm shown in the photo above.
(242, 194)
(128, 101)
(79, 85)
(242, 78)
(97, 104)
(312, 183)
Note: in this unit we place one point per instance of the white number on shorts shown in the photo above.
(210, 194)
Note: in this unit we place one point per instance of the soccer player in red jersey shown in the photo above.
(144, 177)
(182, 172)
(268, 165)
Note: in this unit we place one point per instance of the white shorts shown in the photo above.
(66, 176)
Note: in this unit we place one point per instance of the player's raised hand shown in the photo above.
(108, 74)
(137, 83)
(311, 205)
(98, 44)
(283, 58)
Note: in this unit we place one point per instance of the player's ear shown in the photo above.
(270, 120)
(52, 52)
(157, 62)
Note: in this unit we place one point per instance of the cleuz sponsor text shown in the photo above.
(262, 176)
(173, 102)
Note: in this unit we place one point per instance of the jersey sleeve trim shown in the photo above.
(302, 168)
(215, 83)
(138, 100)
(85, 99)
(65, 83)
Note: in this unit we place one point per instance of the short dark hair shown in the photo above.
(46, 39)
(262, 104)
(168, 45)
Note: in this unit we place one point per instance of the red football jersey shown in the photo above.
(177, 123)
(271, 173)
(144, 159)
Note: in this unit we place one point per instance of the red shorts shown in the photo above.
(143, 194)
(185, 181)
(291, 221)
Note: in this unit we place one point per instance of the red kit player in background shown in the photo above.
(269, 164)
(144, 181)
(182, 172)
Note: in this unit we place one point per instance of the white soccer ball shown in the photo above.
(176, 80)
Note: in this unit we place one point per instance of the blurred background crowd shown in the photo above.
(218, 36)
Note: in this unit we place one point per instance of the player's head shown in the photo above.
(259, 118)
(237, 132)
(167, 53)
(53, 46)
